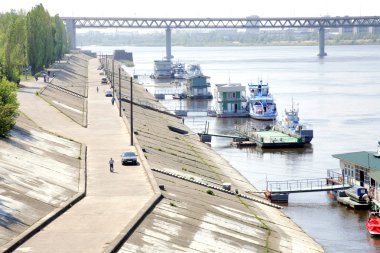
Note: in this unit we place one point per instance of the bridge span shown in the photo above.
(320, 23)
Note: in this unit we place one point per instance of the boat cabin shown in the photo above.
(197, 87)
(230, 100)
(162, 69)
(259, 89)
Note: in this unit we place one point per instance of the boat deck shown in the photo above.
(274, 139)
(353, 204)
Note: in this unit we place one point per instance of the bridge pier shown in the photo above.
(168, 44)
(322, 52)
(71, 31)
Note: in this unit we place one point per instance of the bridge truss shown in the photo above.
(227, 23)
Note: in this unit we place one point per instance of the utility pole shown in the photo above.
(131, 111)
(119, 93)
(113, 78)
(106, 67)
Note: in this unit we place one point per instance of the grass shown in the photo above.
(210, 192)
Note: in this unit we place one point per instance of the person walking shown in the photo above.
(97, 89)
(111, 161)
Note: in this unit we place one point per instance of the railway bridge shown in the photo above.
(320, 23)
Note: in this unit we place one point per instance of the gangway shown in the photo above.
(278, 191)
(305, 185)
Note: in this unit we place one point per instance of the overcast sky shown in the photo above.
(200, 8)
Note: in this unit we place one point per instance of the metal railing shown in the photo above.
(305, 185)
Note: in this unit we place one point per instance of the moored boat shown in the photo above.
(291, 124)
(179, 71)
(193, 70)
(162, 69)
(230, 100)
(373, 223)
(358, 194)
(261, 102)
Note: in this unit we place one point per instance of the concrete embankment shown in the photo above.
(67, 87)
(195, 216)
(41, 174)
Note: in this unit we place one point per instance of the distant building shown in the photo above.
(253, 23)
(361, 30)
(122, 55)
(89, 53)
(374, 30)
(346, 30)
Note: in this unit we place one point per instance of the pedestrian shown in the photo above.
(97, 89)
(111, 164)
(113, 100)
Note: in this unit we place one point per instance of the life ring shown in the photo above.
(340, 179)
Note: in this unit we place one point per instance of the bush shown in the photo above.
(8, 106)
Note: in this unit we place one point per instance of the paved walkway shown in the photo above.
(113, 199)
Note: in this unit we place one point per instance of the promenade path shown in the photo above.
(113, 199)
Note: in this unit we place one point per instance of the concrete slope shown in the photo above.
(39, 173)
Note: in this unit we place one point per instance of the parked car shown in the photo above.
(100, 67)
(128, 157)
(108, 93)
(104, 80)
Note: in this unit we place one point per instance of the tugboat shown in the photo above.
(261, 103)
(291, 124)
(179, 71)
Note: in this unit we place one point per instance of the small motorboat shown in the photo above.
(373, 223)
(179, 96)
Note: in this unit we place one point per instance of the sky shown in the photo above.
(199, 8)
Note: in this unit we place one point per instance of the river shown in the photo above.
(338, 95)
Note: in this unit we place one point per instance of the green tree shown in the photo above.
(39, 38)
(15, 54)
(60, 37)
(8, 106)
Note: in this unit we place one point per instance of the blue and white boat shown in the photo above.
(179, 71)
(291, 124)
(261, 103)
(193, 70)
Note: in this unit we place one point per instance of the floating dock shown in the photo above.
(276, 139)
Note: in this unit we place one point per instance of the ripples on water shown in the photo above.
(339, 95)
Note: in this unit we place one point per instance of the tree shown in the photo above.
(38, 27)
(60, 37)
(35, 39)
(15, 54)
(8, 106)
